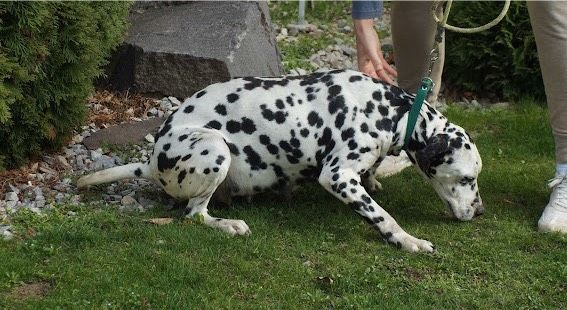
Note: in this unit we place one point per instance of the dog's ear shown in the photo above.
(432, 154)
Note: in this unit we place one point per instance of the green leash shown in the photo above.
(426, 86)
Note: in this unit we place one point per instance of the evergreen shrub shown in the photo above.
(50, 53)
(501, 62)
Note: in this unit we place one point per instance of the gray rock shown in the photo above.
(126, 192)
(11, 205)
(80, 163)
(128, 201)
(63, 162)
(305, 28)
(35, 210)
(129, 204)
(12, 196)
(174, 101)
(60, 197)
(40, 203)
(165, 104)
(14, 188)
(150, 138)
(116, 197)
(178, 50)
(104, 162)
(147, 203)
(346, 29)
(5, 232)
(153, 111)
(123, 134)
(38, 192)
(96, 154)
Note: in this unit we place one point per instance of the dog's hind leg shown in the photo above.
(200, 175)
(197, 207)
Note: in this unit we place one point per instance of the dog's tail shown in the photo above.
(135, 170)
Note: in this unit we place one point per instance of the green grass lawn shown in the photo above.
(100, 258)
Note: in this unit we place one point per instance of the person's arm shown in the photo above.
(369, 54)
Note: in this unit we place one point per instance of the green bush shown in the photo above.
(501, 62)
(50, 52)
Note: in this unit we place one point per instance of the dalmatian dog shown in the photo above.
(251, 135)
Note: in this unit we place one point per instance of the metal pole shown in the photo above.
(301, 20)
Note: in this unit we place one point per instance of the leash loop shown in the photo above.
(487, 26)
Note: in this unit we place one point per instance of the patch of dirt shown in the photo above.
(31, 290)
(111, 108)
(415, 275)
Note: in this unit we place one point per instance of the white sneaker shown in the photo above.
(392, 165)
(554, 217)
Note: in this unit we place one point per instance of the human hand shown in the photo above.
(369, 54)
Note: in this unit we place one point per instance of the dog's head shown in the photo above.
(451, 162)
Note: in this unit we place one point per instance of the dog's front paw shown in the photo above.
(413, 244)
(233, 227)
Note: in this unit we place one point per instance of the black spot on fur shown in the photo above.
(205, 152)
(207, 171)
(200, 94)
(220, 109)
(232, 97)
(334, 90)
(186, 157)
(138, 172)
(233, 148)
(162, 181)
(352, 144)
(314, 119)
(304, 132)
(214, 125)
(189, 109)
(181, 176)
(220, 160)
(166, 163)
(353, 156)
(377, 96)
(289, 100)
(347, 134)
(340, 120)
(232, 126)
(355, 78)
(384, 124)
(369, 108)
(254, 159)
(248, 126)
(166, 146)
(383, 110)
(337, 103)
(182, 137)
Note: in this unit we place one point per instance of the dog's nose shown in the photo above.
(479, 210)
